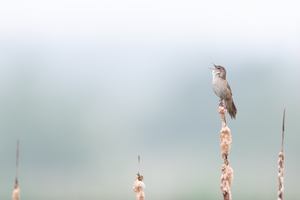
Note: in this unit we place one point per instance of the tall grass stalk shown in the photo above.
(225, 144)
(16, 189)
(281, 162)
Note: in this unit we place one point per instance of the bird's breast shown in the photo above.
(220, 87)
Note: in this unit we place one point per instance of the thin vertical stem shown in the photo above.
(225, 144)
(281, 157)
(139, 164)
(17, 160)
(283, 129)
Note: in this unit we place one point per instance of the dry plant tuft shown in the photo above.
(225, 144)
(226, 180)
(225, 136)
(281, 163)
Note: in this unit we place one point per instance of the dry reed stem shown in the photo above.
(281, 162)
(16, 191)
(280, 175)
(225, 144)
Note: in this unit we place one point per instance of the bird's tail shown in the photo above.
(231, 108)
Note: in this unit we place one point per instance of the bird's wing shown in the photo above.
(228, 86)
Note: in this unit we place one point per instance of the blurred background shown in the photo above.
(88, 85)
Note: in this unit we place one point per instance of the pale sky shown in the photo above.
(111, 19)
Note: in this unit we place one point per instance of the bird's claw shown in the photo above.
(222, 110)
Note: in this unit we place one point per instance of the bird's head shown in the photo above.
(219, 71)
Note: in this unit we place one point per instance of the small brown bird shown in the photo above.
(223, 90)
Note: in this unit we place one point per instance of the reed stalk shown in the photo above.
(16, 189)
(281, 163)
(225, 144)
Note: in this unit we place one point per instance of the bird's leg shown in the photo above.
(221, 103)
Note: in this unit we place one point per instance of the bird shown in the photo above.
(223, 90)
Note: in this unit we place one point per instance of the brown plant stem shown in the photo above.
(225, 145)
(281, 162)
